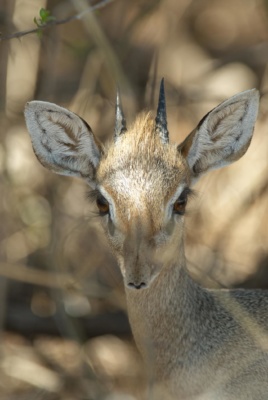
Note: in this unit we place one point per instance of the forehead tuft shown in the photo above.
(139, 158)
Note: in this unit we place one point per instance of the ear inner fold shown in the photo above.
(62, 141)
(223, 135)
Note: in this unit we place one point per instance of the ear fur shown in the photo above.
(223, 135)
(62, 141)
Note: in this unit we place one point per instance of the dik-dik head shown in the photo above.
(141, 182)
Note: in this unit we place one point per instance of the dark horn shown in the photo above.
(161, 116)
(120, 122)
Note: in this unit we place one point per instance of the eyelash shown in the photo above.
(103, 205)
(92, 195)
(96, 197)
(180, 204)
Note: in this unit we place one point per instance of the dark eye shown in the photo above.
(180, 204)
(102, 205)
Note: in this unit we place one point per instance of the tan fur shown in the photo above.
(136, 154)
(197, 344)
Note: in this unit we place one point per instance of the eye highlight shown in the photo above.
(180, 204)
(102, 205)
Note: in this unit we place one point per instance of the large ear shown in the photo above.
(223, 135)
(62, 141)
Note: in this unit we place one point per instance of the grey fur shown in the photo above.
(198, 344)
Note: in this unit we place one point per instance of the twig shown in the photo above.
(80, 15)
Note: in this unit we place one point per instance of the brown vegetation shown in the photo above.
(64, 335)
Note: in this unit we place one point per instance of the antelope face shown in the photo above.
(142, 191)
(141, 183)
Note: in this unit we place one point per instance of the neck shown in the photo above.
(159, 315)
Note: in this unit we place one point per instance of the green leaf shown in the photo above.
(44, 14)
(45, 17)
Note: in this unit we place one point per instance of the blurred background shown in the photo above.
(63, 325)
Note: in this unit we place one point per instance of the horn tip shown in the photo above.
(161, 117)
(120, 122)
(117, 96)
(162, 88)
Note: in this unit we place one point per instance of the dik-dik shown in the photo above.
(197, 343)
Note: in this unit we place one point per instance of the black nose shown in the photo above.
(140, 285)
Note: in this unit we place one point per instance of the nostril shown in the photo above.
(141, 285)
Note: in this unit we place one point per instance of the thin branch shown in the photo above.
(80, 15)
